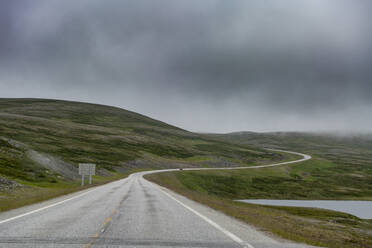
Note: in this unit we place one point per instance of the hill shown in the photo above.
(42, 141)
(341, 167)
(348, 149)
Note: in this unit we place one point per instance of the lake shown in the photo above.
(361, 209)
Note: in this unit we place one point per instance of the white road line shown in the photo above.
(211, 222)
(46, 207)
(61, 202)
(214, 224)
(235, 238)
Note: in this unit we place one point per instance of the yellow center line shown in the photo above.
(96, 236)
(107, 220)
(87, 245)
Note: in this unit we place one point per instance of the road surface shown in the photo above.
(131, 212)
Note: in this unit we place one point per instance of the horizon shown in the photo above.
(336, 133)
(208, 67)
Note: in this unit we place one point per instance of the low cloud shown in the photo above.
(211, 66)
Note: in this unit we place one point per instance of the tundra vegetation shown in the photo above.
(42, 141)
(341, 169)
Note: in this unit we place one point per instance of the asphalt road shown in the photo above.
(131, 212)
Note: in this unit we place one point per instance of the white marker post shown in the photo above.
(86, 169)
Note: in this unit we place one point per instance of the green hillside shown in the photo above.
(341, 169)
(42, 141)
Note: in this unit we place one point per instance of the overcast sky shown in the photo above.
(209, 66)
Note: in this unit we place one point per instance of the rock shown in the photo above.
(7, 184)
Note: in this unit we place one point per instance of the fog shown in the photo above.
(206, 66)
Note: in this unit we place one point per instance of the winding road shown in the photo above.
(131, 212)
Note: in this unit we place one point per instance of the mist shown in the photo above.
(205, 66)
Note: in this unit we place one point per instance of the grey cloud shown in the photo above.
(203, 65)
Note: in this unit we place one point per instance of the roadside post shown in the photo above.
(86, 169)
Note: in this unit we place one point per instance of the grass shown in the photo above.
(15, 164)
(41, 191)
(113, 137)
(122, 141)
(308, 180)
(350, 155)
(341, 169)
(312, 179)
(117, 140)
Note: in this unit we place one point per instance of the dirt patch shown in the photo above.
(67, 170)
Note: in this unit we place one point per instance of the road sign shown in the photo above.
(86, 169)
